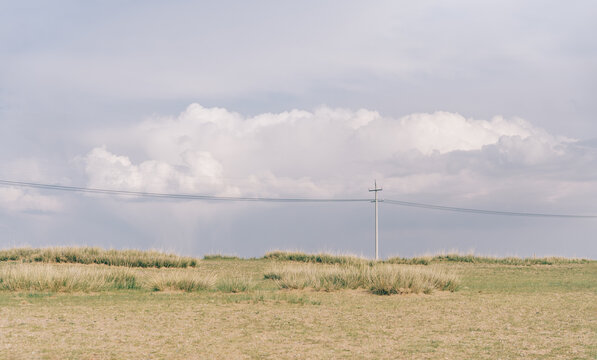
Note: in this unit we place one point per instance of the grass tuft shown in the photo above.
(181, 280)
(234, 284)
(392, 279)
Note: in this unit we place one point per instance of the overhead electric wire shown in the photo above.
(279, 200)
(484, 212)
(168, 195)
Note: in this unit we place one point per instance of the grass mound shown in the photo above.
(323, 258)
(475, 259)
(93, 255)
(381, 279)
(220, 257)
(320, 258)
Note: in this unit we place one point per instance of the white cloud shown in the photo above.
(198, 171)
(332, 152)
(28, 200)
(13, 199)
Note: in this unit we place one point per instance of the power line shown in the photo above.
(169, 195)
(279, 200)
(484, 212)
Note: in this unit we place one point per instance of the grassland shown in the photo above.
(248, 308)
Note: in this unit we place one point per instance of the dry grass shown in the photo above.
(92, 255)
(68, 278)
(381, 279)
(96, 278)
(180, 280)
(235, 284)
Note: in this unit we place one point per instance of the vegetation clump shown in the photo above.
(381, 279)
(220, 257)
(44, 277)
(96, 278)
(94, 255)
(420, 260)
(476, 259)
(320, 258)
(234, 284)
(177, 280)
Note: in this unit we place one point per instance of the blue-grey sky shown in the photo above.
(461, 103)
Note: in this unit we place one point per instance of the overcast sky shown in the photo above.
(487, 105)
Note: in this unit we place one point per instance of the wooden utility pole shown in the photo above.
(376, 189)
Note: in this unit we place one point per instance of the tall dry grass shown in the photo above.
(45, 277)
(94, 255)
(235, 284)
(95, 278)
(382, 279)
(179, 280)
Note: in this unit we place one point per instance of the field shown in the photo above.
(300, 306)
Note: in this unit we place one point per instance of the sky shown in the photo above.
(486, 105)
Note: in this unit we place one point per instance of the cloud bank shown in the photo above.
(338, 152)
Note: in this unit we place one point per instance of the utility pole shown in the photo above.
(376, 189)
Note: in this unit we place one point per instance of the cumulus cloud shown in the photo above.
(334, 152)
(199, 170)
